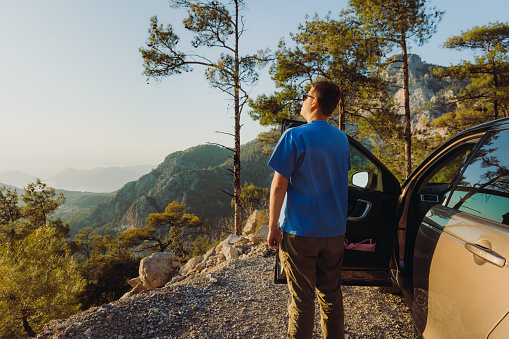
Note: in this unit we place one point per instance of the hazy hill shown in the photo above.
(194, 176)
(16, 178)
(98, 179)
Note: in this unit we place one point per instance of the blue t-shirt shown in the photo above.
(315, 158)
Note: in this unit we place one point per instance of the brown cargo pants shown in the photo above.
(313, 263)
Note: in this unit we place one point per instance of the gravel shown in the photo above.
(235, 299)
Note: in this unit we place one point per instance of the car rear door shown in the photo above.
(371, 221)
(460, 269)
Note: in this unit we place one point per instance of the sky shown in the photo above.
(72, 92)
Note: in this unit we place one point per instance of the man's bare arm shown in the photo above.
(277, 196)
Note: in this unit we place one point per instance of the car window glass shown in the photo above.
(447, 173)
(361, 163)
(483, 189)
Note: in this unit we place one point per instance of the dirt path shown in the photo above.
(236, 299)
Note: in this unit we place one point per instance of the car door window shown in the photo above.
(483, 189)
(361, 163)
(446, 174)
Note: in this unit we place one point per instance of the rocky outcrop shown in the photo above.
(164, 267)
(425, 90)
(139, 211)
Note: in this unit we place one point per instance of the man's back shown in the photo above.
(315, 158)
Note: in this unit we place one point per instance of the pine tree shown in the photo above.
(219, 26)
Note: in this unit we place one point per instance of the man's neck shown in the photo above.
(313, 116)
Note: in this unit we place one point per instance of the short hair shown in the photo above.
(328, 95)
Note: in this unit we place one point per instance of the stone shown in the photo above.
(260, 235)
(190, 265)
(157, 269)
(209, 256)
(230, 252)
(200, 267)
(232, 239)
(134, 282)
(255, 221)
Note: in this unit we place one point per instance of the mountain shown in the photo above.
(195, 176)
(425, 90)
(98, 179)
(16, 178)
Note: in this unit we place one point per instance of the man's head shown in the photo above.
(322, 98)
(327, 93)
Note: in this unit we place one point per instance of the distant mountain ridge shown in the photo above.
(194, 176)
(16, 179)
(99, 179)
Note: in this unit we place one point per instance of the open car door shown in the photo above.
(371, 230)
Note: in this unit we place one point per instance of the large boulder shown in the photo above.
(157, 269)
(255, 221)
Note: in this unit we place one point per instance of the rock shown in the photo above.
(230, 252)
(175, 279)
(232, 239)
(200, 267)
(211, 279)
(190, 265)
(255, 221)
(210, 254)
(139, 288)
(260, 236)
(157, 270)
(134, 282)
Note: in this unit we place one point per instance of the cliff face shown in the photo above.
(425, 90)
(193, 176)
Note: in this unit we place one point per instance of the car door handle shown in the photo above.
(364, 213)
(486, 254)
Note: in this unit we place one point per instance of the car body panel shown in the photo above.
(461, 280)
(501, 330)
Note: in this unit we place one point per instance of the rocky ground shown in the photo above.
(235, 299)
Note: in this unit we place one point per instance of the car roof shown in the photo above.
(503, 122)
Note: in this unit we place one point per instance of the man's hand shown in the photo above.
(273, 238)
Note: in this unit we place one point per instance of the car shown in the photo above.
(441, 237)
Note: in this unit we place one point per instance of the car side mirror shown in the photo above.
(364, 179)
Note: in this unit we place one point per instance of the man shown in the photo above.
(311, 164)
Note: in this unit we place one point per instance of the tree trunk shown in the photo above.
(342, 114)
(27, 328)
(408, 121)
(236, 155)
(495, 83)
